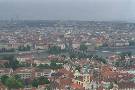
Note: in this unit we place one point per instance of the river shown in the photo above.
(105, 52)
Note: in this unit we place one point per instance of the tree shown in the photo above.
(45, 66)
(123, 54)
(17, 77)
(54, 50)
(43, 80)
(35, 83)
(28, 48)
(13, 83)
(72, 56)
(40, 81)
(54, 65)
(27, 82)
(103, 60)
(13, 63)
(24, 48)
(4, 78)
(21, 48)
(83, 47)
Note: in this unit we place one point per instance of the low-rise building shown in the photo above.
(5, 71)
(25, 58)
(43, 72)
(25, 73)
(39, 62)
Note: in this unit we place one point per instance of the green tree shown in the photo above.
(100, 59)
(17, 77)
(123, 54)
(72, 56)
(103, 60)
(13, 83)
(13, 63)
(4, 78)
(24, 48)
(28, 48)
(83, 47)
(54, 65)
(43, 80)
(35, 83)
(54, 50)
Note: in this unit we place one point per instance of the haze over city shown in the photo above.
(99, 10)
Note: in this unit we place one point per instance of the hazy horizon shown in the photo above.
(84, 10)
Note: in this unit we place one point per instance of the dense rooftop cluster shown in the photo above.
(60, 55)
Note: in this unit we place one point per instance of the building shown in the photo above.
(43, 72)
(25, 73)
(5, 71)
(41, 61)
(25, 58)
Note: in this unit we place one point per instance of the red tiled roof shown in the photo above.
(67, 73)
(77, 86)
(64, 82)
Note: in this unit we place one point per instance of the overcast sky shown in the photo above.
(102, 10)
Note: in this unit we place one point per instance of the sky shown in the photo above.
(100, 10)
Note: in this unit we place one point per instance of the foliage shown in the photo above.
(43, 80)
(13, 63)
(40, 81)
(12, 82)
(54, 50)
(24, 48)
(35, 83)
(123, 54)
(4, 78)
(100, 59)
(72, 56)
(83, 47)
(124, 63)
(17, 77)
(45, 66)
(54, 65)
